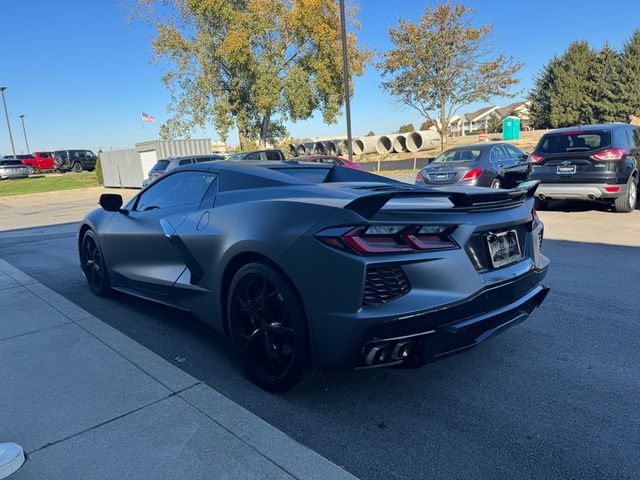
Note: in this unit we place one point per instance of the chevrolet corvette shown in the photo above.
(314, 266)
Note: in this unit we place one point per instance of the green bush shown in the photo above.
(98, 171)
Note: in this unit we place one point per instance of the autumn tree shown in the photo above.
(251, 64)
(426, 125)
(443, 62)
(406, 128)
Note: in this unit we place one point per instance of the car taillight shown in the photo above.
(419, 180)
(473, 174)
(611, 155)
(381, 239)
(533, 158)
(612, 189)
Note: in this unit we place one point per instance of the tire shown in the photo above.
(31, 170)
(268, 327)
(627, 203)
(77, 167)
(496, 183)
(541, 204)
(93, 265)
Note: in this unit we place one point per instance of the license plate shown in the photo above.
(504, 248)
(566, 169)
(442, 176)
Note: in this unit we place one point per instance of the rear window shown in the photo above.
(161, 165)
(273, 155)
(311, 175)
(459, 155)
(574, 142)
(11, 162)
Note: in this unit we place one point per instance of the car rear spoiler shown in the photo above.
(368, 205)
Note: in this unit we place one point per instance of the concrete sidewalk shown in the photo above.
(86, 401)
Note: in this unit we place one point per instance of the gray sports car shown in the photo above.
(321, 266)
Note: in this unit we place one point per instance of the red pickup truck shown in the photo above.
(38, 161)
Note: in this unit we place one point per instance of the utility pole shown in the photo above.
(24, 130)
(6, 114)
(345, 74)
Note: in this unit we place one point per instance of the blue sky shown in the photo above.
(81, 73)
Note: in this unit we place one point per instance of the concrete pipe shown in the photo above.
(309, 148)
(329, 148)
(318, 148)
(422, 140)
(384, 144)
(399, 143)
(341, 147)
(294, 148)
(364, 145)
(302, 149)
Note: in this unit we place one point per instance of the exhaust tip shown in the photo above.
(591, 196)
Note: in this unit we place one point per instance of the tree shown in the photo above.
(442, 63)
(406, 128)
(605, 85)
(540, 95)
(371, 133)
(494, 124)
(426, 125)
(570, 102)
(630, 72)
(251, 64)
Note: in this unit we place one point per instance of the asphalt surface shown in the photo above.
(555, 397)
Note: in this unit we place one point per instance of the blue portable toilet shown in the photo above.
(511, 128)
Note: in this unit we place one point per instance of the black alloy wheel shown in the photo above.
(268, 327)
(93, 265)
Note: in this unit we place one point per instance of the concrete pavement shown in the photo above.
(86, 401)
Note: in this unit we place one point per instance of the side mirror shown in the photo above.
(111, 202)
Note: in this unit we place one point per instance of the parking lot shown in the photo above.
(555, 397)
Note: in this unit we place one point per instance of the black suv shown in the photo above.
(74, 160)
(262, 155)
(595, 162)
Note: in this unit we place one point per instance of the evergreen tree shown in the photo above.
(570, 102)
(604, 87)
(494, 125)
(540, 95)
(630, 74)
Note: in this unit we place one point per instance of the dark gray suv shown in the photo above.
(594, 162)
(74, 160)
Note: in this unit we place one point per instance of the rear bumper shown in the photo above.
(579, 191)
(6, 175)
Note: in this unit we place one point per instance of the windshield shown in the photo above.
(236, 157)
(573, 142)
(161, 165)
(459, 155)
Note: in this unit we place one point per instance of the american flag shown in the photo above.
(148, 118)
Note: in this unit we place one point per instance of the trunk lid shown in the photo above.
(444, 173)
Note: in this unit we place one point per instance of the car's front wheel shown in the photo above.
(268, 326)
(93, 264)
(627, 202)
(31, 170)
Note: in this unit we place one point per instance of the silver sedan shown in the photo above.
(10, 168)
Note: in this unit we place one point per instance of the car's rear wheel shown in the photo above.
(77, 167)
(93, 265)
(268, 326)
(627, 202)
(31, 170)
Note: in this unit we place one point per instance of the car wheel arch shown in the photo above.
(234, 265)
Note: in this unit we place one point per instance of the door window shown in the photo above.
(182, 188)
(253, 156)
(272, 155)
(513, 152)
(498, 154)
(186, 161)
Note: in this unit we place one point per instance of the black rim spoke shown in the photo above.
(268, 344)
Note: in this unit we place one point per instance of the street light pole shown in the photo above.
(345, 75)
(24, 130)
(6, 114)
(4, 102)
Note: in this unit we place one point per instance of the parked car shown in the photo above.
(595, 162)
(330, 160)
(408, 275)
(74, 160)
(495, 165)
(37, 161)
(166, 165)
(12, 168)
(260, 155)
